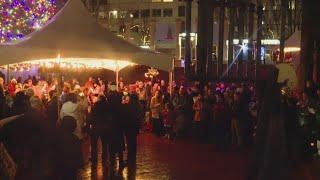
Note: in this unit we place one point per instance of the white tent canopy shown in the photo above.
(294, 40)
(74, 33)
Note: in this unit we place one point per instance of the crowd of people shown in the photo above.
(53, 116)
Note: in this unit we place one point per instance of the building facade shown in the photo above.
(160, 24)
(154, 24)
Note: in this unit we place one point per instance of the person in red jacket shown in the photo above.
(12, 87)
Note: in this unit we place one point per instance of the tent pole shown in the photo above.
(171, 77)
(117, 78)
(8, 74)
(170, 82)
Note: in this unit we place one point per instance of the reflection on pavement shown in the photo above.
(163, 159)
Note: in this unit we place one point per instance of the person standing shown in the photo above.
(115, 112)
(68, 151)
(98, 123)
(221, 122)
(2, 102)
(237, 116)
(155, 107)
(132, 117)
(197, 108)
(71, 108)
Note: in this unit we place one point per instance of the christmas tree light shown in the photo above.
(21, 17)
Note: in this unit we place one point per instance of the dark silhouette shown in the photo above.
(69, 156)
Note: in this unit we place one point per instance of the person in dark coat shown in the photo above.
(115, 111)
(2, 102)
(132, 117)
(52, 109)
(68, 150)
(98, 125)
(221, 117)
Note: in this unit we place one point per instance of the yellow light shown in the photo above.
(292, 49)
(77, 63)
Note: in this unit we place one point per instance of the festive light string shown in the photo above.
(21, 17)
(71, 64)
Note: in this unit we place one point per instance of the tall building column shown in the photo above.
(202, 46)
(187, 54)
(127, 30)
(209, 68)
(152, 34)
(259, 36)
(230, 40)
(221, 41)
(242, 15)
(250, 75)
(284, 7)
(178, 31)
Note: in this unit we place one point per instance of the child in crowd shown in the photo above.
(168, 119)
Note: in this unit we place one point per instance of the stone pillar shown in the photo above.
(178, 31)
(187, 53)
(284, 6)
(259, 36)
(250, 68)
(221, 41)
(127, 30)
(202, 46)
(230, 39)
(209, 67)
(242, 11)
(152, 34)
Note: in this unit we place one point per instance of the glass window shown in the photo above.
(156, 12)
(167, 12)
(145, 13)
(181, 11)
(167, 0)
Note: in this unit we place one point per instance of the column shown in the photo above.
(230, 40)
(283, 22)
(242, 11)
(221, 41)
(187, 51)
(127, 30)
(209, 67)
(250, 75)
(152, 34)
(259, 36)
(178, 31)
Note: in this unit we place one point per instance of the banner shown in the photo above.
(165, 34)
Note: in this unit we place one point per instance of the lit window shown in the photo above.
(167, 0)
(156, 12)
(113, 14)
(167, 12)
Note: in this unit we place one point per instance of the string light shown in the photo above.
(21, 17)
(72, 64)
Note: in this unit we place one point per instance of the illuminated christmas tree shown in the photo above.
(21, 17)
